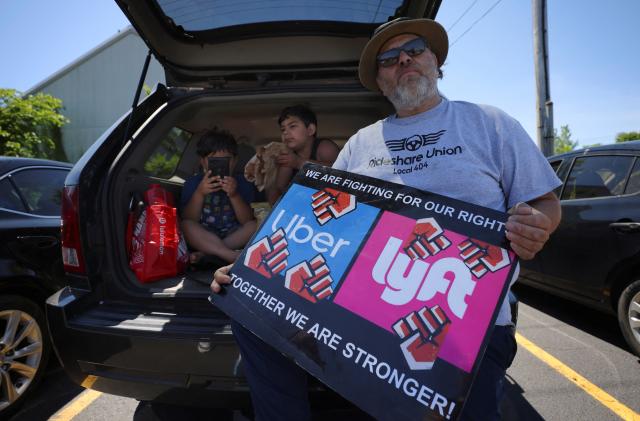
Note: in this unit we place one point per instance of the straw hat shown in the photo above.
(430, 30)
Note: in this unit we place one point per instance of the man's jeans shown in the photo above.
(487, 391)
(279, 387)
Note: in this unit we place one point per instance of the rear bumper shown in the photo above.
(145, 356)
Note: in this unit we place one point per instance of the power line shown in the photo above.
(377, 11)
(461, 16)
(474, 23)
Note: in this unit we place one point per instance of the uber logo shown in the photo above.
(299, 232)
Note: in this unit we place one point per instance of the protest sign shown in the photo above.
(385, 293)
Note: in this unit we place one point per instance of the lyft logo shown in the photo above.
(406, 279)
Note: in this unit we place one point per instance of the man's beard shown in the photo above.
(412, 92)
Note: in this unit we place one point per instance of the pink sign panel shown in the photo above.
(364, 295)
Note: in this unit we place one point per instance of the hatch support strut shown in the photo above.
(137, 97)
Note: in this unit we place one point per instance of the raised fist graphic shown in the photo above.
(310, 280)
(423, 332)
(426, 239)
(481, 257)
(268, 255)
(329, 203)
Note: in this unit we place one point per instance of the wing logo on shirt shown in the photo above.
(414, 142)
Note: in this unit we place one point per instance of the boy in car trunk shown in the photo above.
(217, 218)
(298, 130)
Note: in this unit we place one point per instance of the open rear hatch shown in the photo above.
(239, 50)
(206, 43)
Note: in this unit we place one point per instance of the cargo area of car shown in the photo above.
(170, 136)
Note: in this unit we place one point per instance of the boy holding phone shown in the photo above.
(216, 217)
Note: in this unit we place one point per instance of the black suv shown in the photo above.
(229, 64)
(30, 270)
(594, 255)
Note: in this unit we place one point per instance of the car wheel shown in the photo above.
(24, 350)
(629, 315)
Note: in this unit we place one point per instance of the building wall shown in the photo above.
(99, 89)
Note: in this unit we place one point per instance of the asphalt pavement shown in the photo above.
(572, 363)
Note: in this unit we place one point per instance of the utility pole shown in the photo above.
(543, 94)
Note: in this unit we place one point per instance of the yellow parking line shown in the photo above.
(77, 405)
(598, 394)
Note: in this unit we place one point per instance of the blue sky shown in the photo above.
(594, 55)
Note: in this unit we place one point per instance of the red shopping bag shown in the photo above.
(157, 247)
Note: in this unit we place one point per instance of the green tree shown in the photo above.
(563, 143)
(29, 125)
(147, 89)
(627, 136)
(160, 165)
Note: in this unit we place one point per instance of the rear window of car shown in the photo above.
(9, 197)
(633, 185)
(597, 176)
(555, 165)
(201, 15)
(41, 189)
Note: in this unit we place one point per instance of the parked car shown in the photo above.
(30, 270)
(594, 255)
(229, 64)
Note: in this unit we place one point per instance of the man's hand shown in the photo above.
(528, 229)
(220, 277)
(209, 184)
(289, 159)
(329, 203)
(229, 185)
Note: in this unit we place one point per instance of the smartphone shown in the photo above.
(219, 166)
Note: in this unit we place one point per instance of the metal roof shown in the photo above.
(93, 52)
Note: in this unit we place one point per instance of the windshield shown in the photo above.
(201, 15)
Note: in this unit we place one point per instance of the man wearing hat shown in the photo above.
(470, 152)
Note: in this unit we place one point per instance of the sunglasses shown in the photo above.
(413, 48)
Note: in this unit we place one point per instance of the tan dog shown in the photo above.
(262, 168)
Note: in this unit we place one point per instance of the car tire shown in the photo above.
(629, 315)
(24, 351)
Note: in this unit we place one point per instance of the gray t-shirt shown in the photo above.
(469, 152)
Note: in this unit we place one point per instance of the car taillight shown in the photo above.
(71, 247)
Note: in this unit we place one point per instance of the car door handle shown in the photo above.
(625, 226)
(40, 241)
